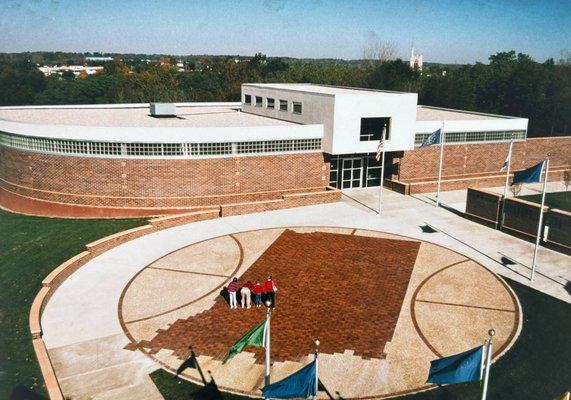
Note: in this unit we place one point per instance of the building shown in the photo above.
(283, 145)
(415, 60)
(76, 69)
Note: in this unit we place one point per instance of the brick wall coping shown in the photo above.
(529, 203)
(92, 245)
(486, 191)
(560, 211)
(52, 276)
(154, 221)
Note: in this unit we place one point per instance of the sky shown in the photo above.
(450, 31)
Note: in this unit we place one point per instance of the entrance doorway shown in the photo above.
(352, 172)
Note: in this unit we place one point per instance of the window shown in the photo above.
(259, 101)
(466, 137)
(247, 99)
(271, 103)
(296, 107)
(372, 128)
(283, 105)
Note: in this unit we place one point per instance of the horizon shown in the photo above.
(319, 29)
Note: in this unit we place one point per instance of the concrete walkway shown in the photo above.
(81, 325)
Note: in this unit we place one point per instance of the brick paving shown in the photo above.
(345, 290)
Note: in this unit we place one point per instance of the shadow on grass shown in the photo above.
(23, 393)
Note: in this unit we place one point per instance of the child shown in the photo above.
(232, 289)
(258, 294)
(246, 295)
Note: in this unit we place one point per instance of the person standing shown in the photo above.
(246, 295)
(232, 289)
(271, 290)
(258, 294)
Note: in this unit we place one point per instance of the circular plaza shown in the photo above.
(382, 305)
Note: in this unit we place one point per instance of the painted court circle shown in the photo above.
(382, 306)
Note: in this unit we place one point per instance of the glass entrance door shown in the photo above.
(352, 172)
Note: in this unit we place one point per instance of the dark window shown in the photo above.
(372, 128)
(296, 107)
(283, 105)
(247, 99)
(271, 103)
(259, 101)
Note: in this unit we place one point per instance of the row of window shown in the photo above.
(57, 146)
(270, 103)
(466, 137)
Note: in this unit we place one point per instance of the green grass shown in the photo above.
(30, 248)
(537, 367)
(560, 200)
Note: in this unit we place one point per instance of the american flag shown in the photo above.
(380, 150)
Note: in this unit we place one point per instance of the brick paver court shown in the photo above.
(382, 305)
(346, 290)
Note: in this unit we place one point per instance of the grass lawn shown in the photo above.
(30, 248)
(560, 200)
(537, 367)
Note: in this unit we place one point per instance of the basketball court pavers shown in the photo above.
(383, 295)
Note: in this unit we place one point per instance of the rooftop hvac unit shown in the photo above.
(163, 110)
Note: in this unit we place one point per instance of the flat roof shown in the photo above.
(427, 113)
(138, 116)
(321, 89)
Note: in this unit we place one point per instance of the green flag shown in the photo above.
(254, 337)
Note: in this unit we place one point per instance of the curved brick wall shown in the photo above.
(46, 184)
(478, 164)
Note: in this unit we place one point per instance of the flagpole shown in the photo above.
(316, 342)
(507, 180)
(268, 319)
(440, 166)
(382, 170)
(491, 332)
(540, 219)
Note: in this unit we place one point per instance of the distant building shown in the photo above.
(77, 70)
(415, 60)
(99, 59)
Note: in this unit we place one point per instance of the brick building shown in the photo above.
(282, 142)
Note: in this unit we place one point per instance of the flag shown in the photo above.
(299, 384)
(529, 175)
(463, 367)
(434, 138)
(380, 150)
(507, 161)
(254, 337)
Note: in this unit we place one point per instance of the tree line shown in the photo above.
(510, 84)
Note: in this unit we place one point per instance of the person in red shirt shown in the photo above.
(258, 294)
(271, 290)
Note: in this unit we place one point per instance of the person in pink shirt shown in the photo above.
(232, 289)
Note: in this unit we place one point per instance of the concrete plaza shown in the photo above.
(84, 322)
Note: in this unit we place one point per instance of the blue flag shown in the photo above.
(529, 175)
(299, 384)
(463, 367)
(433, 138)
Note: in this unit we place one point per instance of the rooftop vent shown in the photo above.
(163, 110)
